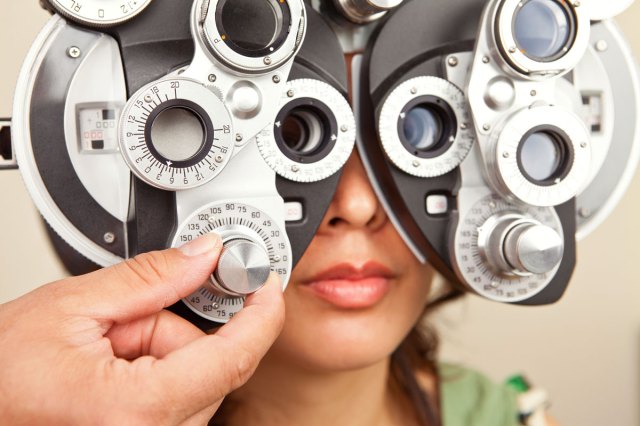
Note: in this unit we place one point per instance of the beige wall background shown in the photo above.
(584, 350)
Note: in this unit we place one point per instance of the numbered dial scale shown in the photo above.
(234, 222)
(176, 134)
(492, 234)
(99, 13)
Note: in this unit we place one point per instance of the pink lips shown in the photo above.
(348, 287)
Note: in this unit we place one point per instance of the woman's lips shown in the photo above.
(349, 287)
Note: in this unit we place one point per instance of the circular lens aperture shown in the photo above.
(543, 157)
(423, 128)
(427, 126)
(177, 134)
(303, 130)
(252, 28)
(544, 29)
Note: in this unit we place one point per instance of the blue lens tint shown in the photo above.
(423, 128)
(541, 156)
(543, 29)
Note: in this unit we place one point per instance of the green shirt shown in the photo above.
(471, 399)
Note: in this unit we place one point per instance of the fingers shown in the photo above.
(146, 284)
(209, 368)
(156, 335)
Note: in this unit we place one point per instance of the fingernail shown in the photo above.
(202, 245)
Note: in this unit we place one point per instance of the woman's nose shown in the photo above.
(354, 204)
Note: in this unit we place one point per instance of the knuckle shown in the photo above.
(148, 268)
(242, 368)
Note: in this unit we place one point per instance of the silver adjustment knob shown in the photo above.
(518, 245)
(363, 11)
(243, 267)
(536, 249)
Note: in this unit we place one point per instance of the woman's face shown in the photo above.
(357, 291)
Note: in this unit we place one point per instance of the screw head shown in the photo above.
(414, 90)
(583, 145)
(486, 127)
(212, 78)
(277, 258)
(239, 137)
(148, 99)
(109, 237)
(416, 163)
(453, 61)
(505, 154)
(464, 126)
(74, 52)
(533, 93)
(219, 158)
(344, 128)
(291, 93)
(215, 306)
(276, 79)
(267, 60)
(602, 45)
(485, 60)
(295, 169)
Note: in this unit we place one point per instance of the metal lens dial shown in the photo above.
(251, 238)
(425, 127)
(544, 29)
(313, 132)
(508, 252)
(176, 134)
(541, 155)
(540, 38)
(252, 36)
(253, 28)
(99, 13)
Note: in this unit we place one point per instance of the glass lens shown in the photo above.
(423, 128)
(541, 156)
(542, 29)
(177, 134)
(250, 24)
(303, 131)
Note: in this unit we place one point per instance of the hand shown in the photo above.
(100, 348)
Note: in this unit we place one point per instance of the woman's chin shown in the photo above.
(337, 342)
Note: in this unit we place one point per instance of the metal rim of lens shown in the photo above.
(282, 15)
(505, 165)
(317, 125)
(444, 118)
(310, 169)
(559, 140)
(283, 46)
(532, 67)
(196, 112)
(561, 50)
(414, 92)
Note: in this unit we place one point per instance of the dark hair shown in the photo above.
(418, 351)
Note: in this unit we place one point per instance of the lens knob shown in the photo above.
(535, 249)
(363, 11)
(512, 243)
(243, 267)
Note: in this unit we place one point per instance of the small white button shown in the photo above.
(437, 204)
(293, 211)
(246, 99)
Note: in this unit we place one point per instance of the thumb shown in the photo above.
(145, 284)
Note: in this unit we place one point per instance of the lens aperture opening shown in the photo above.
(305, 130)
(544, 30)
(253, 28)
(544, 157)
(178, 134)
(427, 126)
